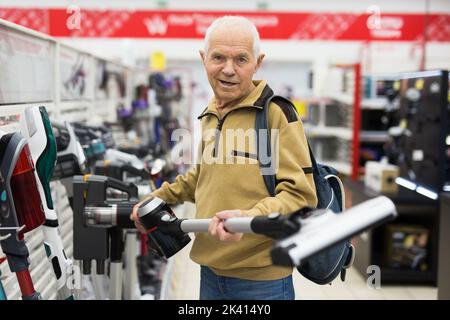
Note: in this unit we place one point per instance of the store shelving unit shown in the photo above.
(344, 125)
(333, 120)
(43, 71)
(377, 106)
(407, 249)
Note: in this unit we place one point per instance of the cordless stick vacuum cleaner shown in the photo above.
(98, 225)
(129, 168)
(101, 132)
(20, 207)
(125, 172)
(300, 234)
(93, 147)
(71, 160)
(2, 290)
(37, 129)
(125, 158)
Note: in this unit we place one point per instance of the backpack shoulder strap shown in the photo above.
(262, 123)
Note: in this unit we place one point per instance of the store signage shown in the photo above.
(367, 26)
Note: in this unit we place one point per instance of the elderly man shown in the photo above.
(228, 183)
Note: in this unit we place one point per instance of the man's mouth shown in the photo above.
(227, 83)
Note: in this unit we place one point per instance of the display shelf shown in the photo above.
(342, 167)
(48, 77)
(374, 104)
(336, 115)
(322, 131)
(373, 136)
(412, 209)
(340, 97)
(362, 121)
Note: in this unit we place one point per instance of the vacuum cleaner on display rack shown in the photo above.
(70, 159)
(20, 208)
(36, 127)
(98, 225)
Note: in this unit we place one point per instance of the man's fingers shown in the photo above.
(223, 235)
(226, 236)
(133, 216)
(217, 228)
(228, 214)
(140, 227)
(212, 228)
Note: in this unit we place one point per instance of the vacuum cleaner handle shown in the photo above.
(274, 225)
(128, 187)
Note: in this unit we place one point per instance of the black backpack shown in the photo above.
(325, 266)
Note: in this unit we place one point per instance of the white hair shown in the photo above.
(234, 20)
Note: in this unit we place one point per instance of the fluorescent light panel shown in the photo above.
(405, 183)
(427, 193)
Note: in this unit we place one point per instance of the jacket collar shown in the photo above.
(256, 99)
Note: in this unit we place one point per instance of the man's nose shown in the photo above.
(228, 69)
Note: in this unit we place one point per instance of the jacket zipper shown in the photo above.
(217, 136)
(220, 125)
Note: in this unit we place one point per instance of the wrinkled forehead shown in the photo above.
(231, 37)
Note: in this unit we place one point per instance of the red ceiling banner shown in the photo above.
(168, 24)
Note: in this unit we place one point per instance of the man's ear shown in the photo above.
(259, 61)
(202, 55)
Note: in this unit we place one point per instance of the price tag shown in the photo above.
(158, 61)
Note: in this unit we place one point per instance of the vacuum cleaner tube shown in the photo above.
(25, 193)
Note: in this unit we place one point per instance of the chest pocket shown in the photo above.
(244, 157)
(239, 146)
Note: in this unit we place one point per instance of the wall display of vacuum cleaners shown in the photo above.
(37, 128)
(26, 68)
(110, 90)
(158, 108)
(75, 75)
(422, 132)
(110, 80)
(28, 61)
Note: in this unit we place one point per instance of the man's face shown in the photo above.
(230, 64)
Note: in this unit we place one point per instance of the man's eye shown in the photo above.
(242, 60)
(217, 58)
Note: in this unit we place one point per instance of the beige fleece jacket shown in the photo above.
(228, 177)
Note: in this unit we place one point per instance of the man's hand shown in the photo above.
(135, 218)
(217, 228)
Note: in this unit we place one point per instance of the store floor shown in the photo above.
(183, 279)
